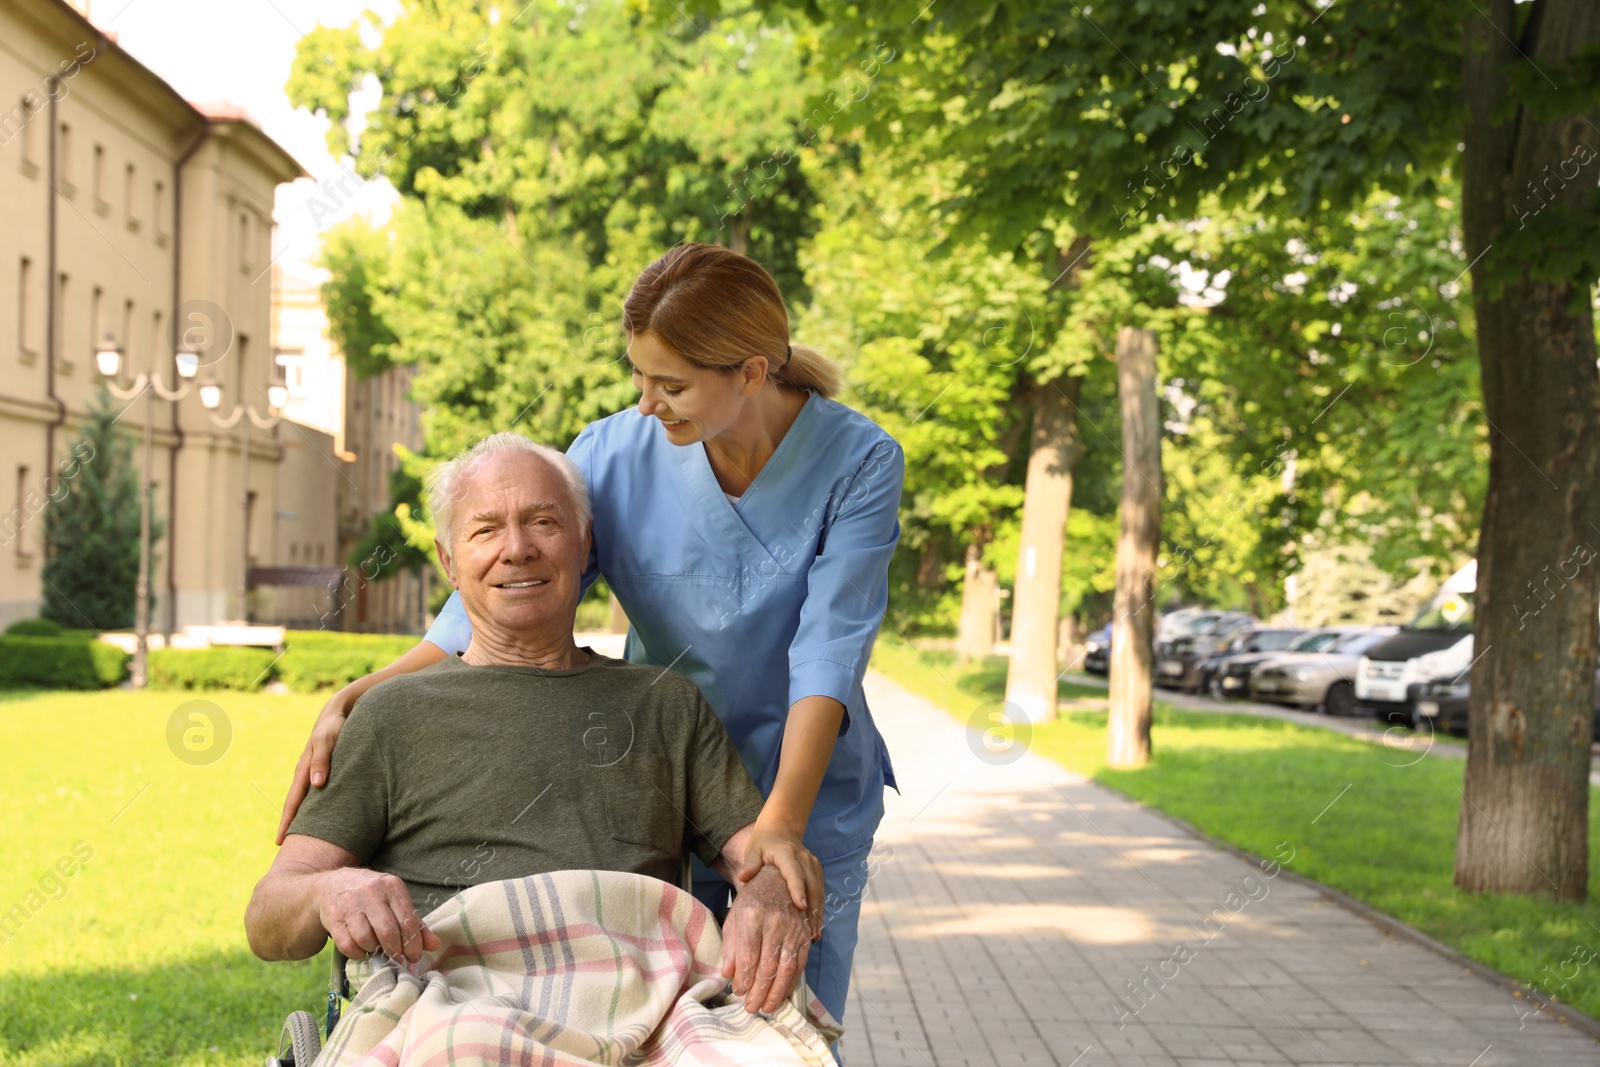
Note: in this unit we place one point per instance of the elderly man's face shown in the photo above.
(516, 550)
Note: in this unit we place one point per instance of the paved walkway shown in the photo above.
(1018, 914)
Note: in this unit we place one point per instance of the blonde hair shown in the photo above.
(716, 309)
(445, 482)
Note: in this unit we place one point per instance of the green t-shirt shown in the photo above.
(456, 775)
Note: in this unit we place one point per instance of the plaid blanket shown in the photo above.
(566, 968)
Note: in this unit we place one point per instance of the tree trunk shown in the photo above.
(1524, 812)
(1133, 624)
(980, 606)
(1067, 643)
(1055, 450)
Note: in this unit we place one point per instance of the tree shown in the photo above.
(1136, 111)
(1524, 816)
(932, 352)
(526, 214)
(1133, 629)
(91, 564)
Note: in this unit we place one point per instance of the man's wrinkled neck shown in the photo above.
(548, 650)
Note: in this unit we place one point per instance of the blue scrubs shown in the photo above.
(789, 583)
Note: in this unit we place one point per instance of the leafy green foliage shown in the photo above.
(91, 570)
(526, 214)
(385, 550)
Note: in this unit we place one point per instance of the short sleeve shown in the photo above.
(451, 630)
(352, 810)
(582, 452)
(847, 588)
(722, 798)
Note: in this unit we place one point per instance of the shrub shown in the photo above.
(387, 647)
(34, 628)
(310, 669)
(60, 663)
(210, 668)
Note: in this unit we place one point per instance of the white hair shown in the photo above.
(445, 483)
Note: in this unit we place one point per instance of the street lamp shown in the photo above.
(108, 358)
(211, 400)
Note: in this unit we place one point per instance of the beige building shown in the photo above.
(126, 211)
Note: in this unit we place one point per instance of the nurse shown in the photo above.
(745, 521)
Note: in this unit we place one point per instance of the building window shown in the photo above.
(61, 312)
(25, 306)
(94, 317)
(244, 242)
(250, 527)
(20, 515)
(127, 330)
(128, 198)
(68, 162)
(98, 178)
(30, 156)
(157, 216)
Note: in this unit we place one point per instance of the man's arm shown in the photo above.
(314, 889)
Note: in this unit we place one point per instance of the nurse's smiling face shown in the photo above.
(516, 551)
(691, 403)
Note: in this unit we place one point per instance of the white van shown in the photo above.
(1438, 642)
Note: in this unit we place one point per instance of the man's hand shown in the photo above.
(767, 848)
(364, 911)
(765, 942)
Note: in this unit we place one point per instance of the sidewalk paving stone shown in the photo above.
(1018, 914)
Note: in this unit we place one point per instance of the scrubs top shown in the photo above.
(790, 582)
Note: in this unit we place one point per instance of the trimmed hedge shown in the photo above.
(60, 663)
(210, 668)
(34, 628)
(388, 646)
(308, 670)
(314, 660)
(323, 659)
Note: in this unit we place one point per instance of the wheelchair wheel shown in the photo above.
(300, 1041)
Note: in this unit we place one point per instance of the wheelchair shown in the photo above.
(301, 1041)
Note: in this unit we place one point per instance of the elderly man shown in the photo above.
(524, 755)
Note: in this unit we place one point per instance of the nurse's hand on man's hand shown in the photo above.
(765, 942)
(314, 760)
(800, 869)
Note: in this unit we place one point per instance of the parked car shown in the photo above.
(1437, 643)
(1324, 677)
(1178, 661)
(1233, 681)
(1097, 651)
(1246, 642)
(1443, 702)
(1185, 622)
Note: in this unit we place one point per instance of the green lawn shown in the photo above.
(1388, 839)
(140, 957)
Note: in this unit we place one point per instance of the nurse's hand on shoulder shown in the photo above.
(312, 770)
(769, 847)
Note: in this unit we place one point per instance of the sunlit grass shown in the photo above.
(140, 957)
(1375, 822)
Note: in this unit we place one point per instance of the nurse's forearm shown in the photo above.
(808, 739)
